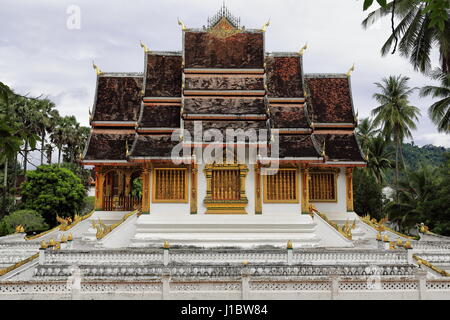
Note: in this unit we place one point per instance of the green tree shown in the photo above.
(365, 132)
(414, 191)
(29, 219)
(51, 191)
(439, 111)
(423, 25)
(379, 160)
(395, 115)
(368, 196)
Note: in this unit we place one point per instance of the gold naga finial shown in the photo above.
(264, 27)
(183, 27)
(96, 68)
(146, 49)
(20, 229)
(349, 73)
(289, 244)
(323, 149)
(303, 49)
(43, 245)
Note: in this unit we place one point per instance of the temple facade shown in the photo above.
(162, 141)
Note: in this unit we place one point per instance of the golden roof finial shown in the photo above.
(126, 148)
(264, 27)
(303, 49)
(96, 68)
(146, 49)
(183, 27)
(349, 73)
(323, 150)
(289, 244)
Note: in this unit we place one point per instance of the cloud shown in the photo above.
(40, 55)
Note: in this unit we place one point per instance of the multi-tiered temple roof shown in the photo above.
(224, 77)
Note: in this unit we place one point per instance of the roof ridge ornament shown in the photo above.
(221, 14)
(146, 49)
(303, 49)
(98, 71)
(350, 71)
(264, 27)
(180, 23)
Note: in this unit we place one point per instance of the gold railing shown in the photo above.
(346, 230)
(380, 227)
(18, 264)
(431, 266)
(103, 230)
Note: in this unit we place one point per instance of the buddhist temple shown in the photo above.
(223, 79)
(223, 171)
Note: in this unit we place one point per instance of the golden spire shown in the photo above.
(146, 49)
(264, 27)
(289, 244)
(323, 150)
(303, 49)
(183, 27)
(96, 68)
(349, 73)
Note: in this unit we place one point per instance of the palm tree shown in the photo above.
(379, 158)
(417, 34)
(439, 111)
(414, 190)
(47, 119)
(365, 132)
(396, 117)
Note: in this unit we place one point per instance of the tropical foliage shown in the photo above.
(29, 219)
(51, 191)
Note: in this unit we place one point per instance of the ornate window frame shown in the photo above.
(185, 192)
(225, 206)
(296, 187)
(334, 172)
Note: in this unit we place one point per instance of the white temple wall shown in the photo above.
(341, 205)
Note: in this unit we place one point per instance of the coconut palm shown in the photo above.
(439, 111)
(365, 132)
(414, 190)
(379, 159)
(394, 114)
(417, 33)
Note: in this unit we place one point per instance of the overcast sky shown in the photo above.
(39, 54)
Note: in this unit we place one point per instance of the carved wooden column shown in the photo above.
(127, 183)
(99, 180)
(349, 188)
(258, 199)
(194, 172)
(305, 190)
(146, 190)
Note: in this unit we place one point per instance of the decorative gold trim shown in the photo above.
(225, 206)
(296, 188)
(431, 266)
(194, 173)
(103, 230)
(18, 264)
(258, 200)
(349, 189)
(346, 231)
(305, 191)
(223, 29)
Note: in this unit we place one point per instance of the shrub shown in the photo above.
(51, 191)
(29, 219)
